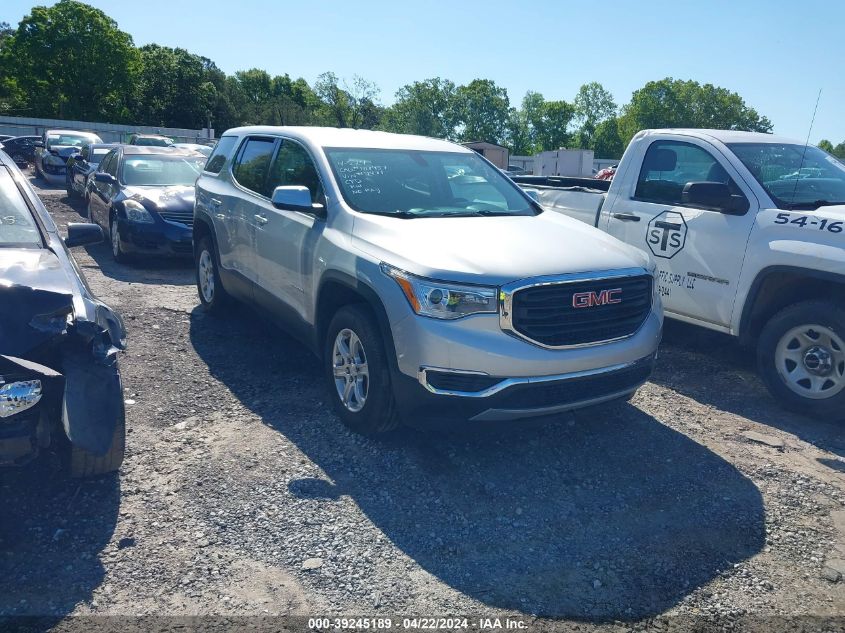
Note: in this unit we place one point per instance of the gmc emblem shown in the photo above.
(590, 299)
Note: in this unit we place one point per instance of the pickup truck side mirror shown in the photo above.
(83, 234)
(714, 195)
(297, 198)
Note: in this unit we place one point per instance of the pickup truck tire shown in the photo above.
(213, 296)
(85, 464)
(801, 358)
(357, 372)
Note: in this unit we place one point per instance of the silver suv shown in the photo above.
(429, 284)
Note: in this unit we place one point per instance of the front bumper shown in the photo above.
(517, 398)
(161, 238)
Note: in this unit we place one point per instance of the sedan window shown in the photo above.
(17, 226)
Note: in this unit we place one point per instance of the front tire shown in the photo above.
(114, 238)
(801, 358)
(357, 372)
(85, 464)
(212, 294)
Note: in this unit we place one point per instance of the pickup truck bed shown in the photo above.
(579, 198)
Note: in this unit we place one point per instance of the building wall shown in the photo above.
(109, 132)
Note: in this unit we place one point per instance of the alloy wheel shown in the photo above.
(351, 372)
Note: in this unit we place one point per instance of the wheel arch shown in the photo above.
(338, 289)
(776, 287)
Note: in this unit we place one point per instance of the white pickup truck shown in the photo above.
(748, 232)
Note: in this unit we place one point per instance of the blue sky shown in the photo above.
(775, 54)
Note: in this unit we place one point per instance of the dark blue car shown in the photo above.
(82, 165)
(144, 198)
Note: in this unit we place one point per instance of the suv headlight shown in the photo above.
(135, 212)
(441, 299)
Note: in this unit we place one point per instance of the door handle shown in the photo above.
(220, 216)
(626, 217)
(215, 202)
(261, 219)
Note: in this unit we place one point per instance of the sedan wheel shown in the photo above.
(116, 249)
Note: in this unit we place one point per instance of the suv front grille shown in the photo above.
(546, 314)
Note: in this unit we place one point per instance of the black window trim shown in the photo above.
(635, 198)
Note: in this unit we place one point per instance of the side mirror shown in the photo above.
(103, 177)
(83, 234)
(38, 144)
(296, 198)
(714, 195)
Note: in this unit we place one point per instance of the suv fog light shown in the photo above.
(19, 396)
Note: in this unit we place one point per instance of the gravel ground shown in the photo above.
(242, 494)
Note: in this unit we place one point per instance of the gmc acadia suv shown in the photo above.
(429, 284)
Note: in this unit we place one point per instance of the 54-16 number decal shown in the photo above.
(810, 221)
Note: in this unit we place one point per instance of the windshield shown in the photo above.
(410, 183)
(69, 140)
(794, 176)
(161, 170)
(17, 226)
(152, 141)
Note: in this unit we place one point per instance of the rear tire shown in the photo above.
(357, 372)
(801, 358)
(212, 294)
(85, 464)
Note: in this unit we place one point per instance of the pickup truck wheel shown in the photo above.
(801, 355)
(213, 296)
(85, 464)
(357, 373)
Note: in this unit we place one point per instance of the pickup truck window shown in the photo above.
(17, 226)
(250, 168)
(669, 165)
(412, 183)
(794, 176)
(293, 166)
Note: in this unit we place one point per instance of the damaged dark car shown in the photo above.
(60, 386)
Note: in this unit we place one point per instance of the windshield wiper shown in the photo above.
(813, 205)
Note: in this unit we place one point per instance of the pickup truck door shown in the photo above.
(699, 252)
(285, 240)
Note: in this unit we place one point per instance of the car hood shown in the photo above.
(173, 198)
(36, 295)
(493, 250)
(64, 151)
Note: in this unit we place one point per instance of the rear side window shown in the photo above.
(221, 152)
(17, 226)
(250, 168)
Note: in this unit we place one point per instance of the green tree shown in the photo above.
(423, 107)
(175, 88)
(593, 105)
(606, 142)
(826, 145)
(71, 61)
(350, 105)
(676, 103)
(483, 111)
(839, 150)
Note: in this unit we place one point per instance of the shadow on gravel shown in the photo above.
(610, 515)
(175, 272)
(713, 369)
(52, 531)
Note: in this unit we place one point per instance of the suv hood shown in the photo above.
(492, 250)
(173, 198)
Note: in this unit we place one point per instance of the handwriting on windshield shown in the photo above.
(358, 177)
